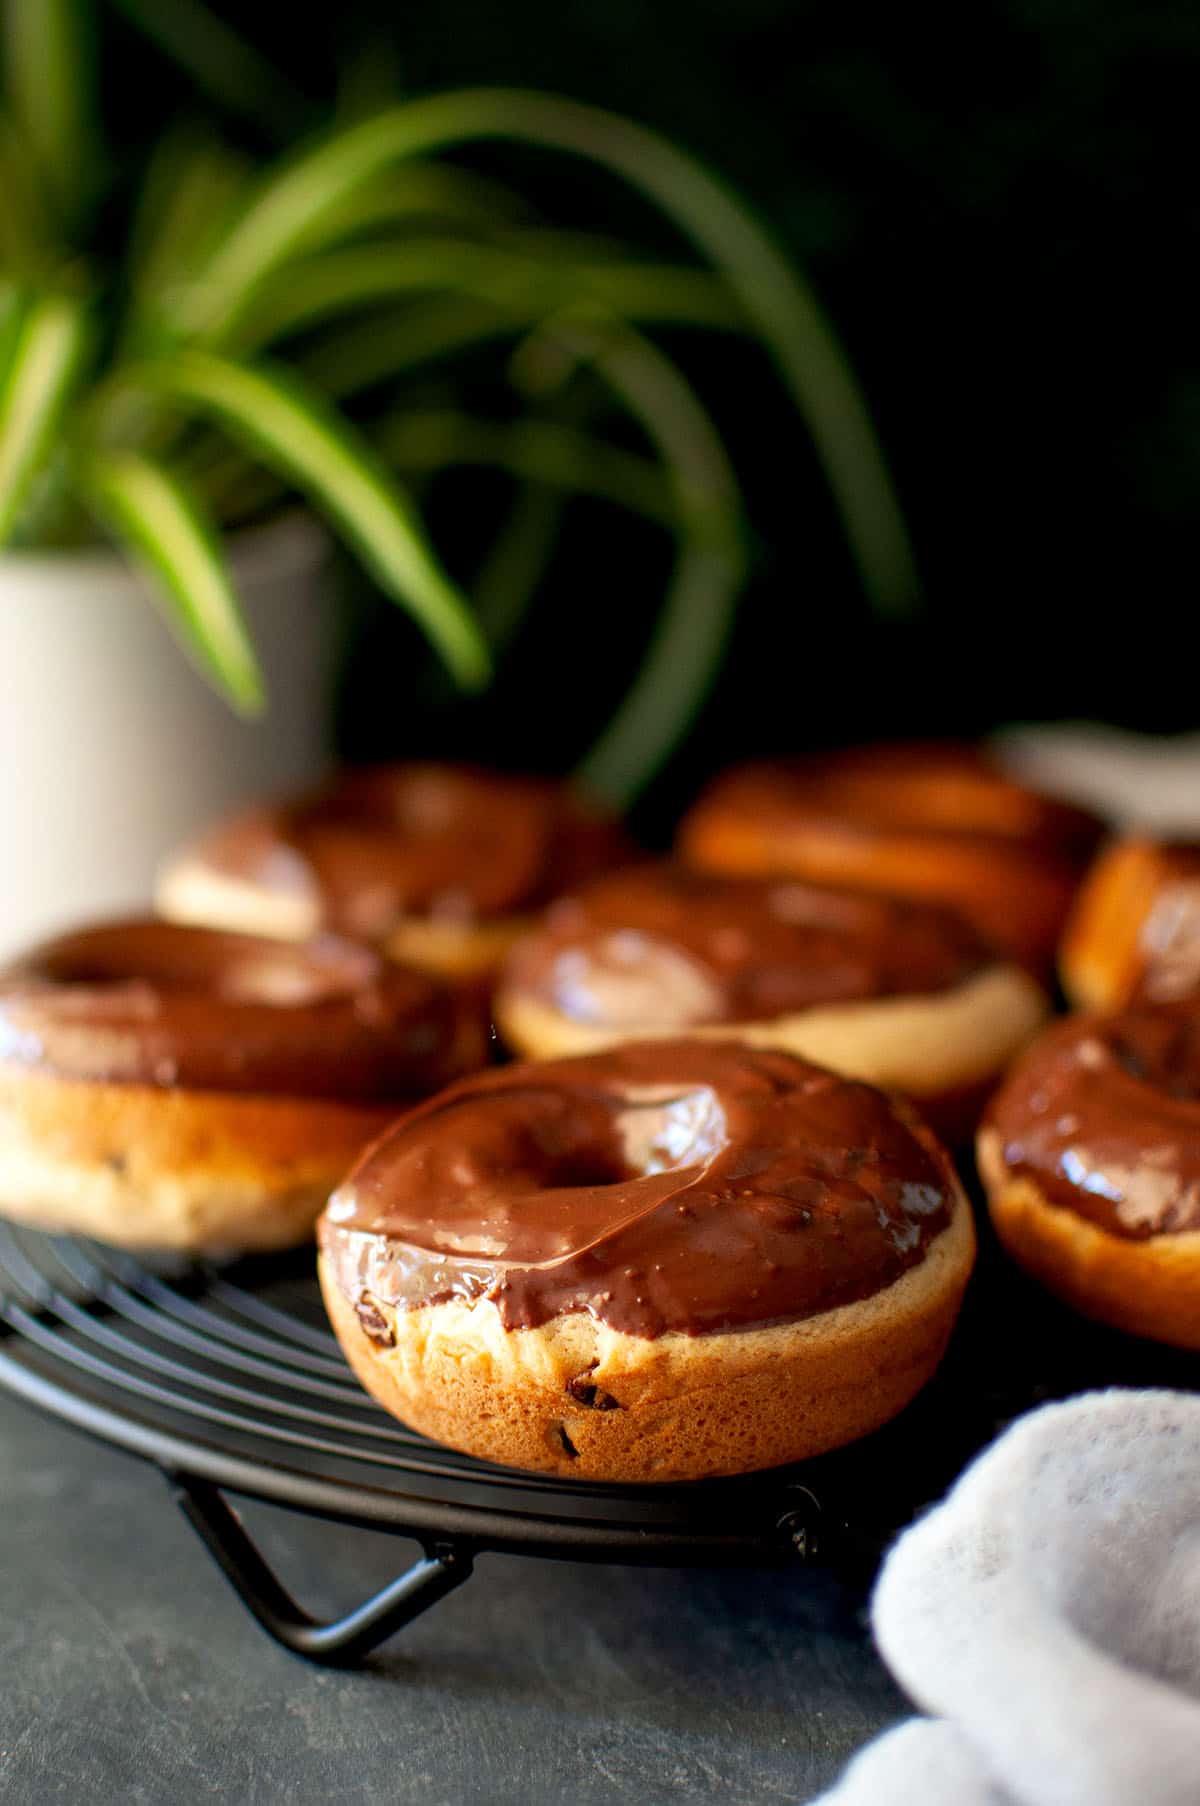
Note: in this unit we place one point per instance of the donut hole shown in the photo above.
(582, 1169)
(645, 1133)
(666, 1130)
(527, 1174)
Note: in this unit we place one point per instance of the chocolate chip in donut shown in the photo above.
(374, 1321)
(584, 1390)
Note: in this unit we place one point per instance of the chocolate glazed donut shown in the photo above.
(1134, 932)
(903, 995)
(177, 1087)
(1091, 1157)
(935, 822)
(669, 1260)
(441, 865)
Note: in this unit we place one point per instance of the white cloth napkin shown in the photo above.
(1146, 782)
(1048, 1614)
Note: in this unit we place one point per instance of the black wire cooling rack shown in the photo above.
(230, 1381)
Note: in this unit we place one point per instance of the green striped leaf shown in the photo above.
(511, 574)
(347, 359)
(188, 197)
(162, 527)
(25, 226)
(680, 665)
(412, 193)
(48, 62)
(294, 432)
(353, 357)
(544, 453)
(42, 364)
(12, 307)
(689, 636)
(361, 276)
(775, 298)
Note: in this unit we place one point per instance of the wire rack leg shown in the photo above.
(341, 1641)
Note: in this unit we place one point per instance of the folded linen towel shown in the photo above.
(1048, 1614)
(1142, 783)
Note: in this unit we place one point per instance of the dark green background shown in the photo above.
(998, 205)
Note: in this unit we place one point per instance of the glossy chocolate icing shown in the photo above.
(149, 1002)
(664, 946)
(450, 842)
(1169, 938)
(672, 1185)
(936, 788)
(1103, 1114)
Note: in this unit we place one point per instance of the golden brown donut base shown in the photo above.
(944, 1050)
(201, 1171)
(1101, 960)
(1147, 1288)
(675, 1407)
(189, 892)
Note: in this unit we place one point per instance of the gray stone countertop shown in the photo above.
(129, 1672)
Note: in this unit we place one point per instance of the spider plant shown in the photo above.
(160, 390)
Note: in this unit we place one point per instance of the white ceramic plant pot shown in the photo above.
(112, 747)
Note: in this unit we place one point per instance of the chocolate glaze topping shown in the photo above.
(939, 788)
(668, 1185)
(1169, 941)
(660, 945)
(1103, 1114)
(934, 821)
(446, 841)
(148, 1002)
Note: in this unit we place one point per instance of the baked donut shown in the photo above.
(939, 823)
(903, 995)
(173, 1087)
(441, 865)
(666, 1261)
(1135, 929)
(1090, 1153)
